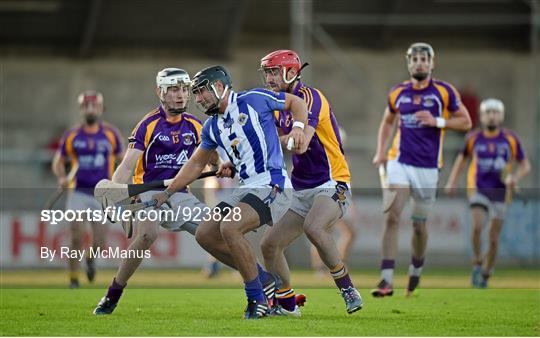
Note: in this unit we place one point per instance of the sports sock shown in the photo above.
(415, 269)
(115, 291)
(286, 298)
(254, 290)
(387, 270)
(341, 276)
(264, 276)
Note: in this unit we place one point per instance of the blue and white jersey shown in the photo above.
(247, 133)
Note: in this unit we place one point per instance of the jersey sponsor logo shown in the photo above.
(242, 119)
(91, 161)
(172, 159)
(409, 121)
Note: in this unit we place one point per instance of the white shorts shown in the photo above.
(77, 200)
(494, 209)
(422, 181)
(303, 199)
(279, 201)
(180, 201)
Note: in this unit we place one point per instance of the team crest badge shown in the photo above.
(188, 139)
(242, 119)
(428, 102)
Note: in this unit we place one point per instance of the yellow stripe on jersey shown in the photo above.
(471, 177)
(445, 115)
(513, 145)
(308, 97)
(69, 144)
(150, 114)
(112, 157)
(139, 169)
(339, 169)
(392, 98)
(393, 152)
(198, 127)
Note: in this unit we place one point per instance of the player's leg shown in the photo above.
(423, 191)
(253, 212)
(317, 263)
(478, 216)
(147, 233)
(318, 228)
(491, 254)
(99, 231)
(276, 239)
(389, 241)
(77, 230)
(347, 236)
(209, 237)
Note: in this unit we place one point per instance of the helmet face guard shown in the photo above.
(491, 113)
(204, 89)
(416, 53)
(91, 105)
(174, 77)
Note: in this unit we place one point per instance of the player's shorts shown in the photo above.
(422, 182)
(277, 201)
(495, 209)
(190, 209)
(77, 200)
(302, 200)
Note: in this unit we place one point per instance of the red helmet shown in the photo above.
(90, 97)
(285, 59)
(282, 58)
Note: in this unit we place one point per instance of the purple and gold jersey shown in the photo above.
(324, 160)
(95, 154)
(166, 146)
(414, 144)
(492, 156)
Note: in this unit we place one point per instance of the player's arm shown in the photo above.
(385, 129)
(59, 169)
(124, 171)
(457, 169)
(459, 120)
(189, 173)
(523, 168)
(299, 111)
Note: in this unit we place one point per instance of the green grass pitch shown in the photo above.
(217, 312)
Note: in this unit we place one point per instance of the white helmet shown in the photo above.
(170, 77)
(492, 104)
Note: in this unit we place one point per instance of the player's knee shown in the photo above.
(269, 248)
(419, 228)
(148, 237)
(392, 219)
(313, 232)
(229, 231)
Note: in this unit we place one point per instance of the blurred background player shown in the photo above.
(345, 227)
(159, 146)
(425, 108)
(242, 126)
(490, 182)
(93, 146)
(321, 182)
